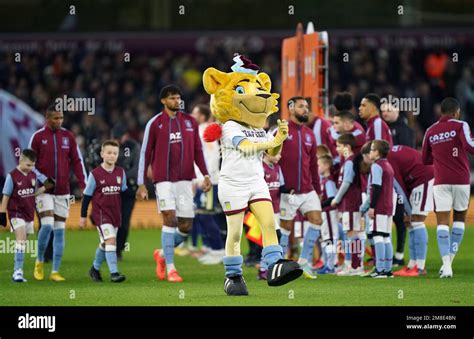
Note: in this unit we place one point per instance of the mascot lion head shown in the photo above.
(243, 95)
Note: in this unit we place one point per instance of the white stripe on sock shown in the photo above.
(167, 229)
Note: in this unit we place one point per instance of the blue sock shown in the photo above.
(457, 233)
(362, 240)
(347, 247)
(324, 255)
(411, 244)
(167, 242)
(43, 239)
(233, 265)
(179, 237)
(340, 231)
(312, 234)
(99, 258)
(421, 243)
(271, 254)
(330, 256)
(19, 257)
(443, 240)
(58, 248)
(111, 258)
(379, 253)
(263, 265)
(388, 254)
(284, 240)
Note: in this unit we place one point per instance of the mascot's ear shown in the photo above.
(213, 79)
(265, 79)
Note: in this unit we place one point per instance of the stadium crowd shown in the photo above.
(126, 92)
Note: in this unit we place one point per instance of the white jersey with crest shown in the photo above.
(239, 168)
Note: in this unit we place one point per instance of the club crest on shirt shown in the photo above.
(227, 205)
(188, 124)
(102, 182)
(44, 141)
(33, 182)
(282, 212)
(119, 180)
(19, 183)
(308, 138)
(162, 203)
(65, 141)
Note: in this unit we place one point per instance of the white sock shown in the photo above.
(411, 263)
(302, 261)
(420, 263)
(170, 267)
(446, 261)
(399, 255)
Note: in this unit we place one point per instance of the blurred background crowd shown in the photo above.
(127, 92)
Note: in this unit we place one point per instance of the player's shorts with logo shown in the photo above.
(351, 221)
(176, 196)
(421, 198)
(107, 231)
(235, 199)
(447, 197)
(17, 223)
(381, 223)
(304, 202)
(50, 202)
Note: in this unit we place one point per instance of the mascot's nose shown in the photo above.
(265, 96)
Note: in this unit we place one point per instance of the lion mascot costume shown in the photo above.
(241, 101)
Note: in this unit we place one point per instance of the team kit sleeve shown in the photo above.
(349, 173)
(426, 155)
(91, 185)
(331, 189)
(8, 186)
(347, 180)
(314, 167)
(232, 134)
(466, 138)
(33, 144)
(146, 152)
(399, 190)
(381, 131)
(88, 192)
(78, 163)
(198, 152)
(376, 173)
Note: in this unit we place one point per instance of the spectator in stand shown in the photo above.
(402, 134)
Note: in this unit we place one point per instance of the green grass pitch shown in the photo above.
(203, 285)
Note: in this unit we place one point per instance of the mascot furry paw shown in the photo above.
(241, 101)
